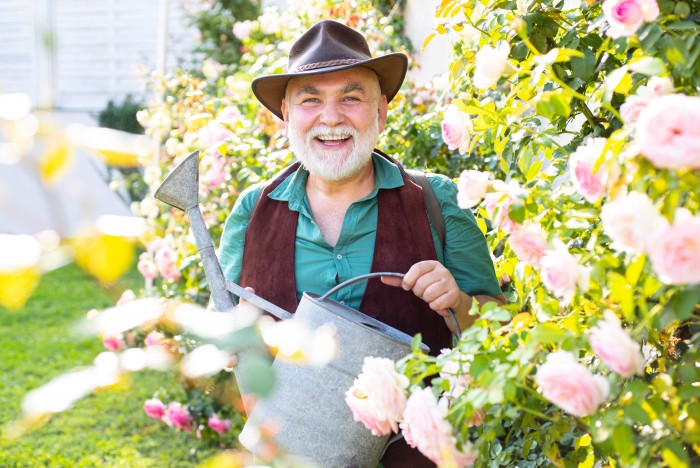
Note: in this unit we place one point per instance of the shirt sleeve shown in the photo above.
(233, 237)
(466, 252)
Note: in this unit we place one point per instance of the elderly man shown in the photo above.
(345, 209)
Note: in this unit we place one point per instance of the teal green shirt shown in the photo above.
(319, 267)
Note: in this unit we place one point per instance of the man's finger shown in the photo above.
(392, 280)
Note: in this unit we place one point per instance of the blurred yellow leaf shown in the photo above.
(54, 162)
(16, 286)
(119, 158)
(103, 256)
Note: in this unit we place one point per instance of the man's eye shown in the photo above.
(310, 101)
(351, 99)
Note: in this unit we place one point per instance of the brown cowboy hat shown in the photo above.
(327, 47)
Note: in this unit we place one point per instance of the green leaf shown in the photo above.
(674, 454)
(547, 333)
(634, 270)
(516, 212)
(478, 365)
(650, 66)
(584, 67)
(623, 442)
(682, 26)
(534, 170)
(255, 374)
(622, 293)
(684, 303)
(554, 103)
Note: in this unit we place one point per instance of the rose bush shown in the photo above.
(581, 169)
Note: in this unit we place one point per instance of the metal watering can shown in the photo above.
(307, 403)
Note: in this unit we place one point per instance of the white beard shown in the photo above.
(334, 165)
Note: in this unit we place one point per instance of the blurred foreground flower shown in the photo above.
(19, 269)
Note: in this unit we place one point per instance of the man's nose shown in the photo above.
(331, 114)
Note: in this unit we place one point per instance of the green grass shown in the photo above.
(108, 429)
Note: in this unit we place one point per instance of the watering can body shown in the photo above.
(307, 406)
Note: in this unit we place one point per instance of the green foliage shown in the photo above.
(121, 116)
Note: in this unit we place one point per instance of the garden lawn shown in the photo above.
(108, 429)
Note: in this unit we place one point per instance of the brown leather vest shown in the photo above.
(403, 238)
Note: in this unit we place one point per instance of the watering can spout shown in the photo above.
(181, 188)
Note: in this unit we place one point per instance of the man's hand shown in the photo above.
(433, 283)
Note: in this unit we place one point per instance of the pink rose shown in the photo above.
(426, 428)
(456, 129)
(146, 267)
(455, 370)
(633, 106)
(377, 398)
(216, 174)
(529, 243)
(571, 386)
(229, 114)
(655, 87)
(166, 261)
(221, 426)
(615, 347)
(631, 221)
(561, 273)
(154, 408)
(675, 250)
(668, 132)
(154, 338)
(489, 65)
(472, 187)
(591, 184)
(498, 204)
(113, 342)
(626, 16)
(179, 416)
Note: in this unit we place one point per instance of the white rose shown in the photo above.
(490, 64)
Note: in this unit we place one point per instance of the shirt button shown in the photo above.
(339, 257)
(342, 302)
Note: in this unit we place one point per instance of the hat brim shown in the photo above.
(391, 69)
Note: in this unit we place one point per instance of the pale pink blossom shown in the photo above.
(242, 29)
(656, 86)
(179, 416)
(127, 296)
(216, 173)
(632, 107)
(570, 385)
(668, 132)
(154, 338)
(166, 261)
(426, 428)
(591, 184)
(222, 426)
(154, 408)
(626, 16)
(529, 243)
(490, 63)
(456, 129)
(631, 222)
(561, 272)
(229, 114)
(113, 342)
(497, 205)
(377, 398)
(675, 250)
(472, 187)
(615, 347)
(455, 370)
(147, 267)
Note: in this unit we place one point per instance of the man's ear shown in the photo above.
(284, 110)
(382, 111)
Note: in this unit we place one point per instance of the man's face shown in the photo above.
(334, 120)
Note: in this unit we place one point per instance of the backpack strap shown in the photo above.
(431, 204)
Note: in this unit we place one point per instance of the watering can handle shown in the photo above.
(357, 279)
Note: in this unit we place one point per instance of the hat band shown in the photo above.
(330, 63)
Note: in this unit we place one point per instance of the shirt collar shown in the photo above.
(293, 189)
